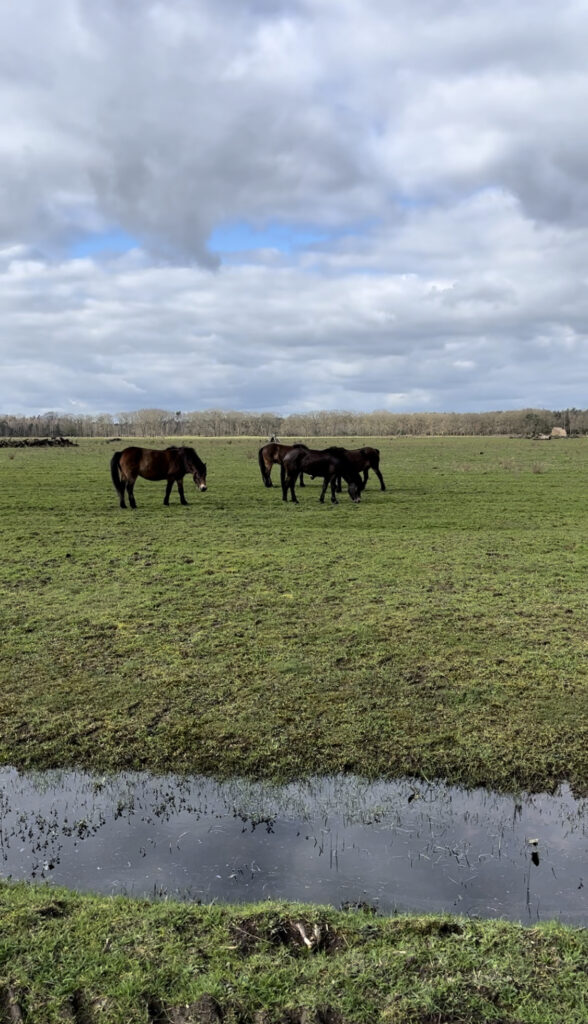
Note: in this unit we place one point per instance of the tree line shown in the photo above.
(222, 423)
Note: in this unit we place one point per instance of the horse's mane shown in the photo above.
(193, 454)
(188, 453)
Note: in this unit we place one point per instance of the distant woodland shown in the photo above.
(218, 423)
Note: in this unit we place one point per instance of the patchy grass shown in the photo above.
(66, 957)
(438, 629)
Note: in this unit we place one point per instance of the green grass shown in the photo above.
(120, 960)
(438, 629)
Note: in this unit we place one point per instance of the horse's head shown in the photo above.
(196, 467)
(200, 477)
(355, 489)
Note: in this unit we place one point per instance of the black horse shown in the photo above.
(363, 459)
(318, 463)
(171, 464)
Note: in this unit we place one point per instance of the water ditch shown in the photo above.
(398, 846)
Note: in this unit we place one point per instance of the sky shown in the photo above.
(292, 205)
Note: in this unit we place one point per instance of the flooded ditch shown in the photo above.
(399, 846)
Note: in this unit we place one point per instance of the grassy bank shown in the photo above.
(65, 957)
(438, 629)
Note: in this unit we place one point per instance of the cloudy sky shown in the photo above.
(290, 205)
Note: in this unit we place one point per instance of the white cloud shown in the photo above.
(439, 149)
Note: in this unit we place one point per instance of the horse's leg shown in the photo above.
(339, 485)
(123, 484)
(326, 481)
(334, 481)
(168, 488)
(284, 482)
(130, 490)
(291, 476)
(301, 481)
(380, 478)
(180, 483)
(268, 474)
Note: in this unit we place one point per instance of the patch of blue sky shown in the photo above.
(412, 202)
(106, 243)
(238, 236)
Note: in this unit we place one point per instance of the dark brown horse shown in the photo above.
(363, 459)
(272, 454)
(171, 464)
(319, 463)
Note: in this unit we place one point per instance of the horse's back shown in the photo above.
(131, 456)
(311, 460)
(274, 451)
(268, 451)
(371, 454)
(133, 451)
(293, 457)
(151, 463)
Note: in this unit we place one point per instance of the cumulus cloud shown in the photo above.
(436, 152)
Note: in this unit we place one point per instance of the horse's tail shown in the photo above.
(263, 468)
(115, 473)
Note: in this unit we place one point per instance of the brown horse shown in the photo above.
(363, 459)
(272, 454)
(171, 464)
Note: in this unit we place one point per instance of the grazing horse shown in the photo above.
(325, 464)
(363, 459)
(171, 464)
(272, 454)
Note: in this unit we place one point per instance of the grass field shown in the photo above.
(438, 629)
(71, 958)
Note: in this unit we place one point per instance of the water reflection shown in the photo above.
(398, 845)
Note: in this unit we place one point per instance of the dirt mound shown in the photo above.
(37, 442)
(297, 936)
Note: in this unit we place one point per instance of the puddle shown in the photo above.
(400, 846)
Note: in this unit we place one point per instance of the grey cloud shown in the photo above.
(167, 118)
(507, 325)
(440, 147)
